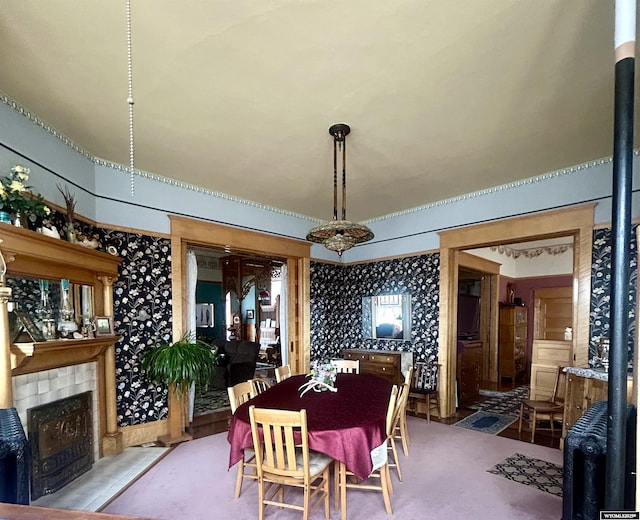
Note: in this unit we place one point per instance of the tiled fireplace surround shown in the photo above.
(47, 386)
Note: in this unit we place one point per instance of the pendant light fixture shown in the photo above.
(339, 234)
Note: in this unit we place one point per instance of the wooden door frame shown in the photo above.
(187, 232)
(576, 222)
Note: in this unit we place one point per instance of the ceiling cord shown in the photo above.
(130, 99)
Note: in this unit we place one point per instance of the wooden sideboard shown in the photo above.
(468, 371)
(391, 365)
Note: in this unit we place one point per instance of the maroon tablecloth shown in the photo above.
(345, 425)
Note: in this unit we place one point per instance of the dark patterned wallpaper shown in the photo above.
(142, 317)
(601, 289)
(336, 304)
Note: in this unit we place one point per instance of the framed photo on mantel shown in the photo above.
(29, 325)
(104, 326)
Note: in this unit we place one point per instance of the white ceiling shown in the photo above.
(443, 97)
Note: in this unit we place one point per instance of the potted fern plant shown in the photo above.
(180, 364)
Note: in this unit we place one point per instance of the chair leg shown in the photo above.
(343, 490)
(404, 433)
(428, 401)
(396, 460)
(336, 484)
(534, 420)
(384, 479)
(520, 418)
(239, 478)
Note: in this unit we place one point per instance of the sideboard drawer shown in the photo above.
(389, 360)
(350, 354)
(387, 364)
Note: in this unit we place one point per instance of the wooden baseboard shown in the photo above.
(141, 433)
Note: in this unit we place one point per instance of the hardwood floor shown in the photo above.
(543, 437)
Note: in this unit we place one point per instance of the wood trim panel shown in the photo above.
(547, 224)
(576, 221)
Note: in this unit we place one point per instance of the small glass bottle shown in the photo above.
(66, 324)
(44, 312)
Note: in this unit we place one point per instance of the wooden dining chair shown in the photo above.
(258, 385)
(394, 422)
(282, 373)
(239, 394)
(401, 432)
(285, 460)
(349, 366)
(378, 480)
(548, 410)
(424, 386)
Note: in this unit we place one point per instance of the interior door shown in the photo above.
(553, 338)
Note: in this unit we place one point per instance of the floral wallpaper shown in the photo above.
(336, 304)
(142, 317)
(601, 290)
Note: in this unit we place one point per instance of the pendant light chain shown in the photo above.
(130, 99)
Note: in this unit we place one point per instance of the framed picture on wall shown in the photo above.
(250, 314)
(104, 326)
(204, 315)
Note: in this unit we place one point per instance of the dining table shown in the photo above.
(348, 425)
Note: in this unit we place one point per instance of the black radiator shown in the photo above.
(585, 451)
(14, 464)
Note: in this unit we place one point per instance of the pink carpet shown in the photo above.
(445, 477)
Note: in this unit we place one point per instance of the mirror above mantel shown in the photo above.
(387, 316)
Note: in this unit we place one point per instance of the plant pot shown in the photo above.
(5, 217)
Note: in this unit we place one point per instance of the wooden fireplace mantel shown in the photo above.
(34, 255)
(27, 358)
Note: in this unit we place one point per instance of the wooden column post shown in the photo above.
(6, 388)
(112, 443)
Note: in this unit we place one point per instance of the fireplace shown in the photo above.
(61, 441)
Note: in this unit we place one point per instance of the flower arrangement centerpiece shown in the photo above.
(323, 378)
(17, 200)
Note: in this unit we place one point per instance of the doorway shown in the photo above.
(186, 232)
(575, 222)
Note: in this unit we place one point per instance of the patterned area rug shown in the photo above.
(486, 422)
(211, 400)
(546, 476)
(503, 403)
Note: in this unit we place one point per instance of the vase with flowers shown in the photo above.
(70, 202)
(323, 378)
(17, 201)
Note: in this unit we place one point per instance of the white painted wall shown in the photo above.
(522, 267)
